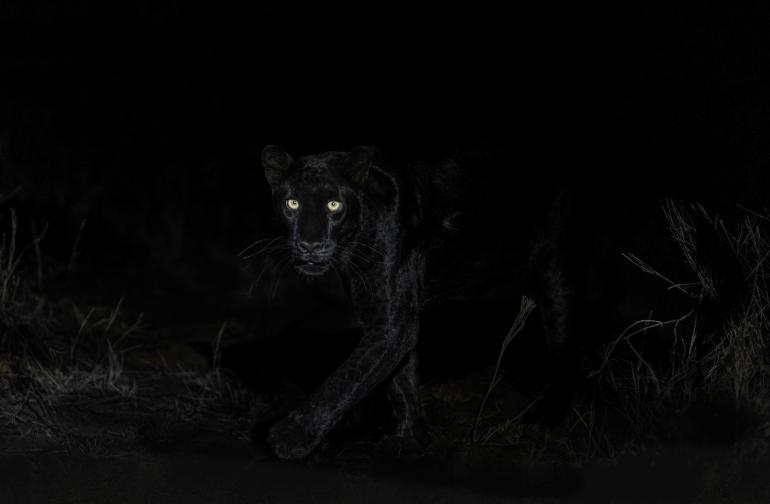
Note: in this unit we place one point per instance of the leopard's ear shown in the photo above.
(276, 162)
(357, 164)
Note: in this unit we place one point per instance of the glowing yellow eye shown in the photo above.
(292, 204)
(334, 206)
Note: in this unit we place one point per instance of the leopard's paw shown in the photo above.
(290, 440)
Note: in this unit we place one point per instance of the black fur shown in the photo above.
(387, 243)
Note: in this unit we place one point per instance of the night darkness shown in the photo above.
(138, 350)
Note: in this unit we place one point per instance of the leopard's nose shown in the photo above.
(309, 247)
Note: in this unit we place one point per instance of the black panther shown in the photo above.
(398, 239)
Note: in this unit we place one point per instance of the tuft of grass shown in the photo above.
(21, 313)
(716, 353)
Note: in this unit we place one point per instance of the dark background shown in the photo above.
(147, 119)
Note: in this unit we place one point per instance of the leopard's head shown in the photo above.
(318, 198)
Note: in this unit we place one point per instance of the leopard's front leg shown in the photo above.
(390, 333)
(404, 399)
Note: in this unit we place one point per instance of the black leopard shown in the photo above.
(391, 235)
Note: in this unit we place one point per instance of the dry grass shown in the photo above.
(716, 353)
(526, 307)
(653, 381)
(72, 378)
